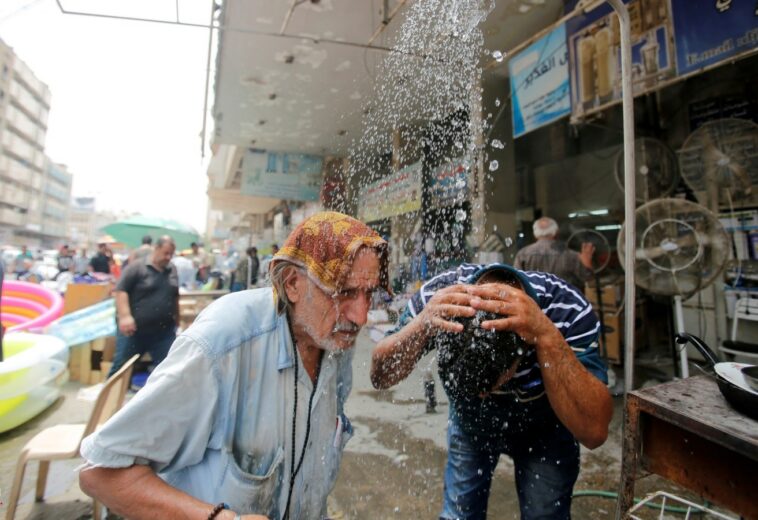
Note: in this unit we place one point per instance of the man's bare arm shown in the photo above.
(580, 400)
(138, 493)
(395, 356)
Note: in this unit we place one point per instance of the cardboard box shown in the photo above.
(79, 296)
(611, 295)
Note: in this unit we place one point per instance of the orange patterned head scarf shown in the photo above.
(325, 245)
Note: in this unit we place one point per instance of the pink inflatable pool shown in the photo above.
(28, 306)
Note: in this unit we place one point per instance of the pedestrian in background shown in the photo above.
(143, 252)
(147, 307)
(65, 261)
(81, 261)
(100, 263)
(246, 274)
(549, 255)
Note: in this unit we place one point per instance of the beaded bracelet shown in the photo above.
(216, 510)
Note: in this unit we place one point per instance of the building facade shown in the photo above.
(33, 191)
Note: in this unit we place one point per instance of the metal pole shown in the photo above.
(627, 100)
(207, 81)
(684, 370)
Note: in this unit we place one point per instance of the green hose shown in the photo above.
(611, 494)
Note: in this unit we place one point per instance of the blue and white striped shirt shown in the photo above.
(561, 302)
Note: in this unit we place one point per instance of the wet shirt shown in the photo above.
(215, 418)
(152, 296)
(521, 403)
(552, 256)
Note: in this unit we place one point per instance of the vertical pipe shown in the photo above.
(684, 369)
(629, 191)
(207, 81)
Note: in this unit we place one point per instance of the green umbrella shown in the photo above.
(131, 230)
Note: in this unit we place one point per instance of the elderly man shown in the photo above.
(548, 255)
(517, 353)
(244, 417)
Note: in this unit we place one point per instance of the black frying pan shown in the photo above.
(728, 376)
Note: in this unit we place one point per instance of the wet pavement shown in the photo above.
(392, 468)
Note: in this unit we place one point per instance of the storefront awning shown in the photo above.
(234, 201)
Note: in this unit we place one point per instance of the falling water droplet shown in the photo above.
(498, 56)
(494, 165)
(497, 143)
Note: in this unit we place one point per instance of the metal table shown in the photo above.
(686, 432)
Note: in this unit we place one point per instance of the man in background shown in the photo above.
(147, 307)
(202, 262)
(246, 274)
(143, 252)
(65, 261)
(81, 261)
(22, 261)
(100, 263)
(266, 260)
(548, 255)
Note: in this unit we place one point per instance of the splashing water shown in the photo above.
(430, 74)
(494, 165)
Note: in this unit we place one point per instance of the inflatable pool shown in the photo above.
(34, 367)
(28, 306)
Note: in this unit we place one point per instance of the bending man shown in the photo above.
(242, 413)
(534, 408)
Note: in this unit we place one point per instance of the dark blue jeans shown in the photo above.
(157, 343)
(546, 464)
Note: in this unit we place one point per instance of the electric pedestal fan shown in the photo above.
(680, 248)
(722, 157)
(655, 169)
(600, 259)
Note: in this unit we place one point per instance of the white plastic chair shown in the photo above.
(62, 441)
(744, 309)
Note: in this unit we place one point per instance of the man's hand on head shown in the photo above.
(447, 304)
(520, 312)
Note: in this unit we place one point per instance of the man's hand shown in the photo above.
(447, 304)
(580, 401)
(588, 250)
(395, 356)
(127, 325)
(521, 314)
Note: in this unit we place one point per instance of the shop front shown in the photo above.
(694, 68)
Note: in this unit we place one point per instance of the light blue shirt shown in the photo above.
(215, 418)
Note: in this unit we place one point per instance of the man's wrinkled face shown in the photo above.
(334, 321)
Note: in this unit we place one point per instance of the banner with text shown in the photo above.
(393, 195)
(709, 32)
(289, 176)
(540, 82)
(449, 183)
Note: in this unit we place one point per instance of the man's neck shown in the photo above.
(310, 354)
